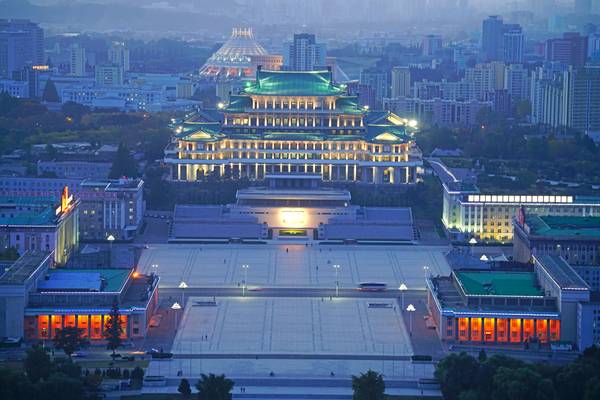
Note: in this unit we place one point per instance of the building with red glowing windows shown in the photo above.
(509, 307)
(39, 300)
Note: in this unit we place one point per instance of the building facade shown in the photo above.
(296, 122)
(40, 224)
(111, 207)
(40, 300)
(509, 308)
(576, 239)
(21, 45)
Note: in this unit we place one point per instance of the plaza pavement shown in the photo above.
(292, 265)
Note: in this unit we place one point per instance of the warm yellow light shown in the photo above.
(220, 105)
(413, 123)
(293, 218)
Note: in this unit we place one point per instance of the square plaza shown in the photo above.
(293, 265)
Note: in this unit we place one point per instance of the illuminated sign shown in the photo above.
(66, 201)
(40, 67)
(293, 218)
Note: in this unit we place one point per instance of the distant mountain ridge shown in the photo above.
(94, 16)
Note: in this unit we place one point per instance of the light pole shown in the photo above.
(155, 267)
(183, 286)
(245, 268)
(411, 309)
(176, 307)
(472, 242)
(110, 239)
(425, 270)
(402, 289)
(336, 268)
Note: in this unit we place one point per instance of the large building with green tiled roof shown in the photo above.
(576, 238)
(295, 122)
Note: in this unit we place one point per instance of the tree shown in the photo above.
(61, 387)
(214, 387)
(50, 94)
(69, 339)
(368, 386)
(517, 384)
(184, 387)
(123, 164)
(37, 364)
(113, 329)
(456, 373)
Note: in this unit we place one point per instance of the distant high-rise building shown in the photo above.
(21, 45)
(594, 47)
(582, 98)
(513, 44)
(431, 45)
(516, 82)
(377, 80)
(486, 78)
(109, 75)
(305, 54)
(77, 60)
(401, 82)
(492, 38)
(118, 54)
(571, 49)
(583, 7)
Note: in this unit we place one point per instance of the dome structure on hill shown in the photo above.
(239, 57)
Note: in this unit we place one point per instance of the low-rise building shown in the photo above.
(74, 168)
(111, 207)
(292, 207)
(40, 300)
(40, 224)
(470, 213)
(510, 307)
(576, 239)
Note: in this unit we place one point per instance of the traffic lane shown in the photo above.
(284, 292)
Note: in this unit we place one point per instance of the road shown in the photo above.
(283, 292)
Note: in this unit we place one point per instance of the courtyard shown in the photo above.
(293, 265)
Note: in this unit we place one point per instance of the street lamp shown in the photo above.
(472, 242)
(411, 309)
(245, 268)
(402, 289)
(484, 258)
(425, 270)
(336, 268)
(155, 266)
(183, 286)
(176, 307)
(110, 239)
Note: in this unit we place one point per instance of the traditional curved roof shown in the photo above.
(234, 57)
(293, 83)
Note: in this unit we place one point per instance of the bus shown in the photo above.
(372, 286)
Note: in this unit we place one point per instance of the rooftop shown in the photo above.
(84, 280)
(293, 83)
(498, 283)
(562, 273)
(584, 227)
(23, 268)
(16, 210)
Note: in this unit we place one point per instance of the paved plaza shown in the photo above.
(301, 325)
(291, 337)
(295, 265)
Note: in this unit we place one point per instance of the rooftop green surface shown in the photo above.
(564, 226)
(114, 278)
(30, 210)
(293, 83)
(498, 283)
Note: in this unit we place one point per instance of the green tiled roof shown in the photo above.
(114, 277)
(563, 226)
(239, 103)
(498, 283)
(293, 83)
(42, 212)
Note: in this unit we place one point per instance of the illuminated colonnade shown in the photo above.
(505, 330)
(92, 325)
